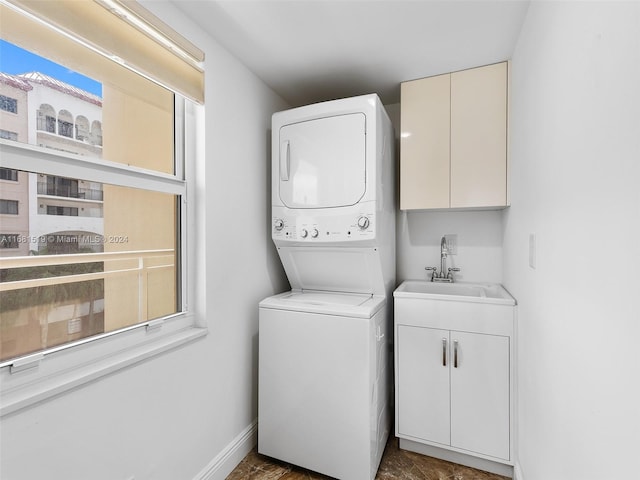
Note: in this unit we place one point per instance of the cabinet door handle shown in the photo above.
(444, 352)
(455, 354)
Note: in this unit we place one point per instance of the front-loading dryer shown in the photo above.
(323, 381)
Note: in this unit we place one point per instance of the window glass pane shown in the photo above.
(8, 104)
(115, 115)
(8, 174)
(8, 207)
(81, 258)
(118, 268)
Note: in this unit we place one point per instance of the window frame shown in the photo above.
(72, 211)
(10, 202)
(8, 135)
(36, 377)
(9, 172)
(6, 101)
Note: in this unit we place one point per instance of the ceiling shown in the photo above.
(314, 50)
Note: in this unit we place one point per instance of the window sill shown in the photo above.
(66, 370)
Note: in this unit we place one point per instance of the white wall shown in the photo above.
(418, 235)
(170, 417)
(479, 237)
(575, 160)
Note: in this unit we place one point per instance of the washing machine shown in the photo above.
(324, 386)
(324, 380)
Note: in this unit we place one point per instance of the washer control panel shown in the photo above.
(339, 228)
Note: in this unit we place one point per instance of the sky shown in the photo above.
(15, 60)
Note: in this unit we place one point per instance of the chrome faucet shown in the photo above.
(443, 256)
(442, 276)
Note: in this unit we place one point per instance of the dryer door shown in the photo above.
(322, 162)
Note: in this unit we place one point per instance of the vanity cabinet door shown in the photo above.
(480, 393)
(423, 383)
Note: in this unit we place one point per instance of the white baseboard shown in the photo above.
(224, 463)
(458, 457)
(517, 472)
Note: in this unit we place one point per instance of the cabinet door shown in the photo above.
(424, 143)
(423, 383)
(480, 393)
(479, 137)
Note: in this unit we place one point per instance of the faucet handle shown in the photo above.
(451, 270)
(433, 271)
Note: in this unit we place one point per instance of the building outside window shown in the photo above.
(9, 207)
(8, 104)
(67, 211)
(82, 128)
(62, 187)
(8, 174)
(46, 119)
(65, 128)
(7, 135)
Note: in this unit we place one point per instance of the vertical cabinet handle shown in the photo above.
(444, 352)
(455, 354)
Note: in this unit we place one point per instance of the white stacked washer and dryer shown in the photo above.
(324, 372)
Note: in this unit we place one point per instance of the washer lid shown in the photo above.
(327, 303)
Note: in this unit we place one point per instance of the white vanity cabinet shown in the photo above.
(454, 379)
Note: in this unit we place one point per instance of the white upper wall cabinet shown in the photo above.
(453, 147)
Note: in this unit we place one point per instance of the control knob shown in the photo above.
(314, 233)
(363, 223)
(278, 224)
(304, 233)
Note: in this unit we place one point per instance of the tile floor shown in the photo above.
(396, 464)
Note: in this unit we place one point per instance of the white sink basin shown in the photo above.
(460, 292)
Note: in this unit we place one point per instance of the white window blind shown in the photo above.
(118, 29)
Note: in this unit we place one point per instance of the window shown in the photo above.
(65, 128)
(8, 174)
(7, 135)
(67, 211)
(62, 187)
(108, 254)
(47, 119)
(82, 128)
(65, 124)
(8, 104)
(142, 222)
(49, 124)
(9, 207)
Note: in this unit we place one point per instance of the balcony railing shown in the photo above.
(47, 290)
(68, 192)
(139, 263)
